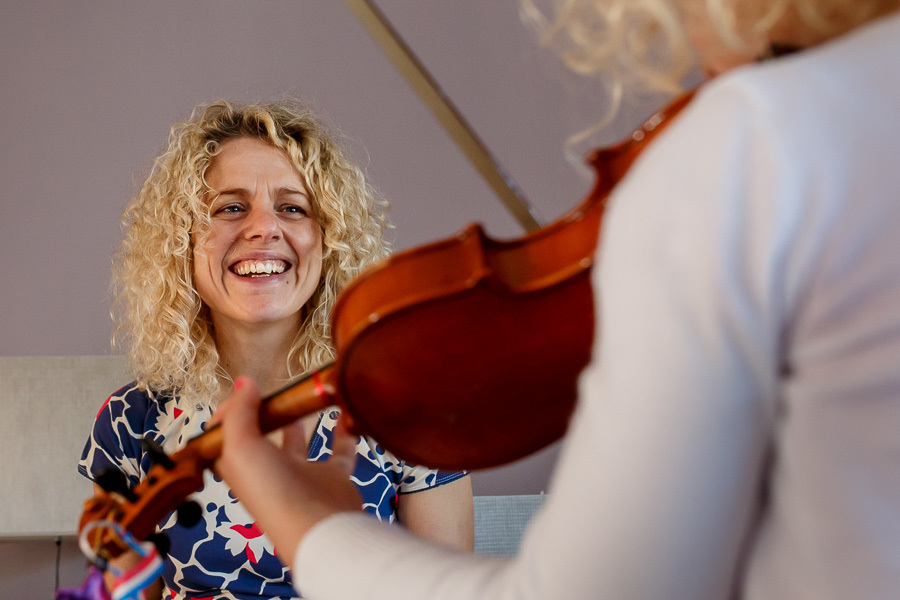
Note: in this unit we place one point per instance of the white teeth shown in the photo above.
(260, 267)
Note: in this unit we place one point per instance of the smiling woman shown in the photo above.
(236, 247)
(163, 324)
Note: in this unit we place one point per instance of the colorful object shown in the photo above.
(131, 585)
(91, 589)
(128, 585)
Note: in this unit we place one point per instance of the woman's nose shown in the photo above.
(262, 223)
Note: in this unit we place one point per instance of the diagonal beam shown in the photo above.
(444, 111)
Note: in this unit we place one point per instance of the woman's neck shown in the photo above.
(258, 351)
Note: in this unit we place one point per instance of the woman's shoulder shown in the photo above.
(136, 404)
(133, 412)
(806, 89)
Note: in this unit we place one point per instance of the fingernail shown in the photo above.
(239, 383)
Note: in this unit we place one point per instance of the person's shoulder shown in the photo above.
(836, 73)
(134, 398)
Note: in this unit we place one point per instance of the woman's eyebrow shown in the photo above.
(244, 193)
(232, 191)
(280, 190)
(292, 190)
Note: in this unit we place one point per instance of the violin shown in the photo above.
(461, 354)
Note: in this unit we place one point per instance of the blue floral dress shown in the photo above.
(226, 555)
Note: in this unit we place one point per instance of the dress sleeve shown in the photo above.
(417, 479)
(114, 440)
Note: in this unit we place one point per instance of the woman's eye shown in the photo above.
(294, 209)
(229, 209)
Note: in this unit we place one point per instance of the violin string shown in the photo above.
(58, 554)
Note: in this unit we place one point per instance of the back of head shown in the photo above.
(649, 46)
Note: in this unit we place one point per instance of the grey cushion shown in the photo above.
(500, 522)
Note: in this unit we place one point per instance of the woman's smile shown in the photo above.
(259, 268)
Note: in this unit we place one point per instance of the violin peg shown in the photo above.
(189, 513)
(156, 453)
(162, 543)
(101, 563)
(114, 481)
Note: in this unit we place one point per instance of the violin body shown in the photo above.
(467, 340)
(459, 354)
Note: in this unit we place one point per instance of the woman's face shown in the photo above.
(262, 257)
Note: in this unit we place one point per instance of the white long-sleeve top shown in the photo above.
(738, 430)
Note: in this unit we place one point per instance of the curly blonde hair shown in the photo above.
(643, 45)
(160, 319)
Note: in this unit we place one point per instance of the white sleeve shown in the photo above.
(656, 485)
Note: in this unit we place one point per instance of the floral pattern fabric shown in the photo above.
(226, 555)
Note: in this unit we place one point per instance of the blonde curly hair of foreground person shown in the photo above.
(644, 45)
(160, 318)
